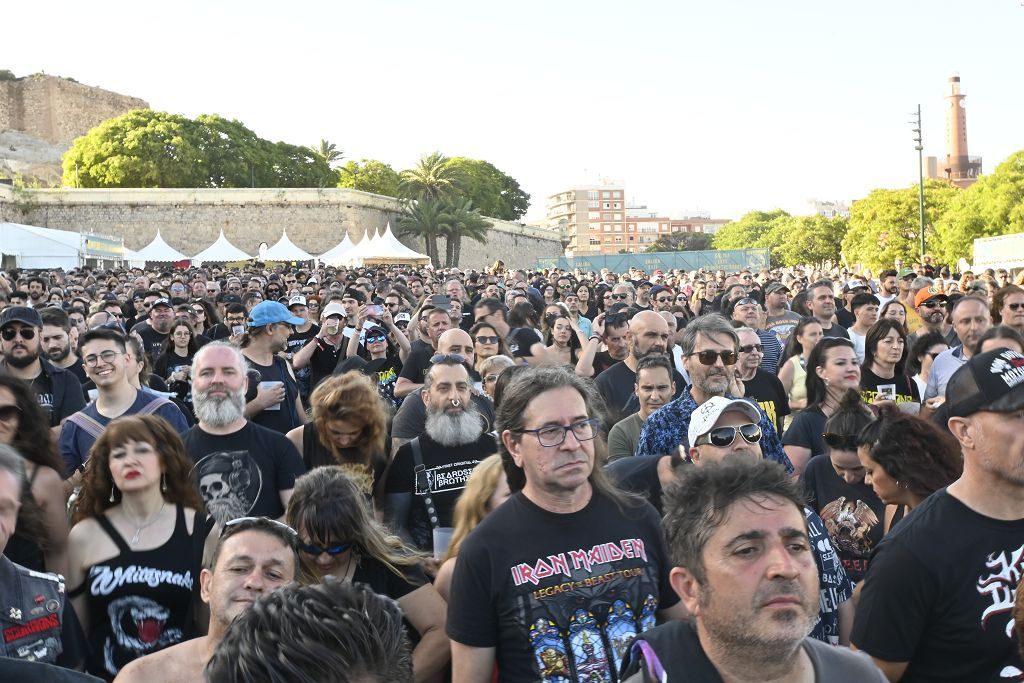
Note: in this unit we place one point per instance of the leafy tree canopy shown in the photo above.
(682, 241)
(492, 192)
(806, 239)
(369, 175)
(753, 230)
(146, 148)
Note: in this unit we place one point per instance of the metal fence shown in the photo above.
(729, 260)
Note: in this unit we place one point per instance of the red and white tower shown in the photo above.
(960, 168)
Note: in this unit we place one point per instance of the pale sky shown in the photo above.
(721, 106)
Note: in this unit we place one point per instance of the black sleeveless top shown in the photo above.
(139, 601)
(282, 417)
(365, 477)
(22, 549)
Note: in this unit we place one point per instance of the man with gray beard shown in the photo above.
(428, 474)
(242, 469)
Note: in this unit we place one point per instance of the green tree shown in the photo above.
(493, 192)
(753, 230)
(461, 220)
(432, 178)
(682, 241)
(328, 151)
(807, 239)
(885, 225)
(369, 175)
(992, 206)
(425, 219)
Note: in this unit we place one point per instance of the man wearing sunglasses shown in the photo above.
(253, 557)
(58, 390)
(930, 304)
(709, 354)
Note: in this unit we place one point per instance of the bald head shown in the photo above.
(650, 334)
(457, 341)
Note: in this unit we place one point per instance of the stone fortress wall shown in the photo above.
(191, 219)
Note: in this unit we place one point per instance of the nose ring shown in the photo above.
(456, 403)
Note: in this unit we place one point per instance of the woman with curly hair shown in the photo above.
(136, 547)
(906, 459)
(40, 540)
(486, 489)
(339, 537)
(348, 430)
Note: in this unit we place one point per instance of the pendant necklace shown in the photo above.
(138, 532)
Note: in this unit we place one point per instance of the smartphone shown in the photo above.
(440, 300)
(375, 310)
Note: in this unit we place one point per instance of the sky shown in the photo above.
(718, 107)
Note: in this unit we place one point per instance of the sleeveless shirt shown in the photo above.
(281, 417)
(138, 601)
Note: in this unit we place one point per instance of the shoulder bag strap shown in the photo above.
(420, 475)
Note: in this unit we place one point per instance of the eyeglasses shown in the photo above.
(842, 442)
(620, 297)
(722, 437)
(106, 356)
(709, 357)
(9, 333)
(333, 550)
(1015, 307)
(663, 299)
(244, 520)
(935, 304)
(487, 339)
(750, 348)
(447, 357)
(747, 301)
(554, 435)
(375, 339)
(199, 311)
(8, 413)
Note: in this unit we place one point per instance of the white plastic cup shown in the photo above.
(442, 539)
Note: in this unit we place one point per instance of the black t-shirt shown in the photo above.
(152, 341)
(447, 468)
(323, 361)
(769, 393)
(243, 473)
(351, 461)
(639, 476)
(296, 340)
(806, 431)
(837, 331)
(383, 581)
(845, 317)
(568, 591)
(940, 594)
(906, 388)
(411, 418)
(616, 385)
(852, 513)
(418, 362)
(384, 371)
(281, 417)
(78, 370)
(602, 361)
(58, 392)
(521, 340)
(37, 672)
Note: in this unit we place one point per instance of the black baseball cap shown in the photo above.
(21, 314)
(991, 381)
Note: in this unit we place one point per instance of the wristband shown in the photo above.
(594, 336)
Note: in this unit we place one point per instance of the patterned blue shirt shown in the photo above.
(665, 430)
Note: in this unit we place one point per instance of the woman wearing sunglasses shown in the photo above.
(832, 370)
(339, 537)
(851, 510)
(925, 350)
(486, 343)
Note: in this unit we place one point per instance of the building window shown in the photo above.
(618, 240)
(606, 195)
(594, 242)
(594, 204)
(593, 195)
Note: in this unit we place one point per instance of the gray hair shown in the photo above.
(625, 285)
(921, 283)
(751, 330)
(11, 461)
(235, 351)
(712, 325)
(498, 362)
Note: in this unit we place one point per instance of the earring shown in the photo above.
(111, 493)
(163, 482)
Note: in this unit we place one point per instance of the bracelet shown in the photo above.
(594, 336)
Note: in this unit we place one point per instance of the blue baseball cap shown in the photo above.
(270, 312)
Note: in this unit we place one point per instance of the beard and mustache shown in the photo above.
(454, 429)
(218, 411)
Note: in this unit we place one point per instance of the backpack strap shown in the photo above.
(88, 424)
(420, 474)
(644, 655)
(153, 406)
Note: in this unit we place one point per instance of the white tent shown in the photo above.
(285, 250)
(220, 251)
(133, 259)
(355, 256)
(159, 250)
(334, 257)
(389, 250)
(34, 247)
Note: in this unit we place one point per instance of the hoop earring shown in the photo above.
(163, 482)
(112, 493)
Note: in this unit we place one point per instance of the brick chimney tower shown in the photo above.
(959, 168)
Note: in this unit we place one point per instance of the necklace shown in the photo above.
(151, 522)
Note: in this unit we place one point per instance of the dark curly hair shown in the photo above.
(32, 439)
(152, 429)
(912, 451)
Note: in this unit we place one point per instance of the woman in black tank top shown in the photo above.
(136, 548)
(349, 429)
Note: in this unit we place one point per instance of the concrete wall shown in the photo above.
(191, 219)
(56, 109)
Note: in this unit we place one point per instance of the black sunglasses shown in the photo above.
(709, 357)
(447, 357)
(620, 297)
(487, 339)
(723, 437)
(9, 333)
(373, 339)
(842, 442)
(333, 550)
(752, 347)
(1015, 307)
(8, 413)
(936, 304)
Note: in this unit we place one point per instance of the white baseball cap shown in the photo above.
(297, 300)
(704, 418)
(333, 308)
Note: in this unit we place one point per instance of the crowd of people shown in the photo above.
(278, 472)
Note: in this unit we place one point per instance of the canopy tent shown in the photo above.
(220, 251)
(354, 257)
(35, 247)
(159, 251)
(334, 257)
(133, 259)
(285, 250)
(389, 250)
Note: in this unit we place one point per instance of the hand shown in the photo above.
(736, 386)
(597, 327)
(269, 396)
(387, 318)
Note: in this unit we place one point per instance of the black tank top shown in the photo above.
(21, 548)
(282, 417)
(138, 601)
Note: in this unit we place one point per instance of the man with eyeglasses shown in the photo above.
(553, 583)
(106, 358)
(661, 298)
(748, 312)
(58, 390)
(273, 398)
(428, 474)
(253, 557)
(709, 354)
(763, 387)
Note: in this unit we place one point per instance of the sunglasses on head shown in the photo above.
(242, 520)
(842, 442)
(8, 413)
(722, 437)
(333, 550)
(442, 357)
(709, 357)
(9, 333)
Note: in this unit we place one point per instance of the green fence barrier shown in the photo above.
(729, 260)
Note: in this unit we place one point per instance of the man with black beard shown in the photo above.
(59, 392)
(59, 342)
(242, 469)
(428, 474)
(648, 333)
(153, 331)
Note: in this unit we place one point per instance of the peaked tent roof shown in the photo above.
(396, 249)
(159, 250)
(285, 250)
(361, 249)
(221, 251)
(334, 256)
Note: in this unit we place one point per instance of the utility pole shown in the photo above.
(920, 174)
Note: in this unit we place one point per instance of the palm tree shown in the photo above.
(425, 218)
(328, 151)
(432, 178)
(461, 220)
